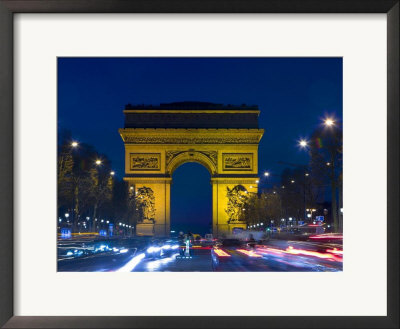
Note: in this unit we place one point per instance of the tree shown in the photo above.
(65, 164)
(83, 185)
(273, 205)
(100, 188)
(293, 192)
(326, 161)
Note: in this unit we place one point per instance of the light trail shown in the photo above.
(249, 253)
(221, 253)
(335, 251)
(326, 237)
(128, 267)
(292, 251)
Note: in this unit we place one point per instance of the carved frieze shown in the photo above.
(145, 161)
(145, 201)
(169, 155)
(237, 198)
(237, 161)
(191, 140)
(212, 155)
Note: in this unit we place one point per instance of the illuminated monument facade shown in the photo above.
(158, 139)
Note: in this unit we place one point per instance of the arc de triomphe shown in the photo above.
(158, 139)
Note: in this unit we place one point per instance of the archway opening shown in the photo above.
(191, 199)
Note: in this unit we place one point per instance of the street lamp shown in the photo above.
(329, 122)
(74, 144)
(112, 173)
(67, 215)
(98, 162)
(266, 174)
(311, 212)
(303, 143)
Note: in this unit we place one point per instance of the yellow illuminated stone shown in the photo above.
(230, 156)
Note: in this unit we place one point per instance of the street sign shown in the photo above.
(320, 218)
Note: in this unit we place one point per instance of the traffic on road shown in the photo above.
(193, 253)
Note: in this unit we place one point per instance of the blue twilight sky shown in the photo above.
(293, 94)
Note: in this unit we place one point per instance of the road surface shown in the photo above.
(131, 255)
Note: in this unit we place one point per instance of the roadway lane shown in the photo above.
(276, 256)
(200, 261)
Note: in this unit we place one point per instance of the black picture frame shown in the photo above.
(10, 7)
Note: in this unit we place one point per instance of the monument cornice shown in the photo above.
(237, 180)
(190, 136)
(191, 111)
(148, 180)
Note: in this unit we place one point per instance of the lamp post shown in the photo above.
(311, 213)
(333, 150)
(304, 145)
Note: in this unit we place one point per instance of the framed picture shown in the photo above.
(199, 164)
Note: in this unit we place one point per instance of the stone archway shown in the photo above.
(158, 139)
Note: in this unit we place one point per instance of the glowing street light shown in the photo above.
(266, 174)
(303, 143)
(292, 181)
(74, 144)
(112, 173)
(329, 122)
(98, 162)
(67, 215)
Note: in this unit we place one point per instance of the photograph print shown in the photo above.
(199, 164)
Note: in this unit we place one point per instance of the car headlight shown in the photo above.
(153, 249)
